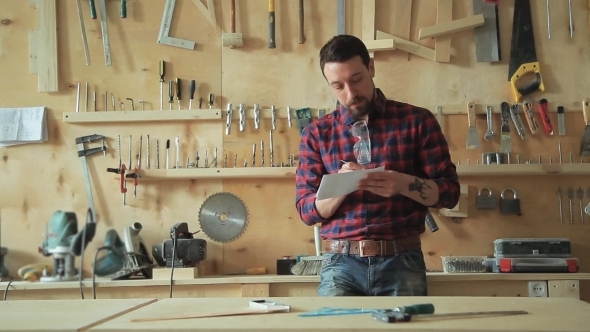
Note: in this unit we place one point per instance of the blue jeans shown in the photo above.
(351, 275)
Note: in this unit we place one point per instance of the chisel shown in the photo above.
(192, 87)
(162, 72)
(271, 24)
(178, 92)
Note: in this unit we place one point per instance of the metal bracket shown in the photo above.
(164, 35)
(256, 116)
(242, 117)
(228, 119)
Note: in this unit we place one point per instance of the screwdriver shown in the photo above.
(192, 88)
(178, 92)
(123, 8)
(171, 93)
(416, 309)
(92, 9)
(162, 71)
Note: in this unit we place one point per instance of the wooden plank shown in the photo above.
(402, 19)
(380, 45)
(541, 315)
(408, 46)
(451, 27)
(564, 288)
(141, 116)
(368, 21)
(255, 290)
(442, 44)
(216, 173)
(43, 46)
(47, 315)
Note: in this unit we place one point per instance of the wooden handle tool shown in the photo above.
(301, 18)
(271, 24)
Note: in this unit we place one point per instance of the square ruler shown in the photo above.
(164, 35)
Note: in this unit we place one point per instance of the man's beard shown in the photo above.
(359, 112)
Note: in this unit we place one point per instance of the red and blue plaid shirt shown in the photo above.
(404, 138)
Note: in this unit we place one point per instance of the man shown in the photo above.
(372, 236)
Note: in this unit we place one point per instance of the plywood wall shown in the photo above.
(38, 179)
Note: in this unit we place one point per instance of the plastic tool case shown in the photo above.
(532, 247)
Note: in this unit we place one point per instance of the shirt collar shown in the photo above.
(378, 108)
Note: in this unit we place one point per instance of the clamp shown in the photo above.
(82, 154)
(135, 176)
(122, 183)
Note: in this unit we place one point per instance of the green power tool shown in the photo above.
(64, 243)
(125, 257)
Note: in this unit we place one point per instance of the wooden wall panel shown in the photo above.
(47, 177)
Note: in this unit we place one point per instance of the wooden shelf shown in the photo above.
(289, 172)
(218, 173)
(141, 116)
(523, 169)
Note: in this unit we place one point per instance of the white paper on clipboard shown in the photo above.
(340, 184)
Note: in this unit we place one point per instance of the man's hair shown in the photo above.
(343, 48)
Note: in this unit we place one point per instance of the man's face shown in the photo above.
(352, 83)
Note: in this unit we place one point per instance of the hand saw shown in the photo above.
(523, 56)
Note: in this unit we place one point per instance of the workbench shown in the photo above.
(544, 314)
(439, 284)
(63, 315)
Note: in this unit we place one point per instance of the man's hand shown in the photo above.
(386, 183)
(349, 167)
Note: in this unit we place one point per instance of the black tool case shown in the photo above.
(532, 247)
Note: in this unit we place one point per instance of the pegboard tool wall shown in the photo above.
(41, 178)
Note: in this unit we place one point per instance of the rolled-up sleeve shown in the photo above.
(308, 177)
(436, 162)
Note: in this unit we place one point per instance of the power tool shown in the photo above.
(182, 248)
(125, 258)
(64, 243)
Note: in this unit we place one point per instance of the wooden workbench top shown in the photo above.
(272, 279)
(62, 315)
(545, 314)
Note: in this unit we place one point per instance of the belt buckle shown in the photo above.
(362, 250)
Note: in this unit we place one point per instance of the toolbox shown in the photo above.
(532, 247)
(534, 265)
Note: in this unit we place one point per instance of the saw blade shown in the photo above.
(223, 217)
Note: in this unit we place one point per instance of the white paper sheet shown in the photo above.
(22, 126)
(339, 184)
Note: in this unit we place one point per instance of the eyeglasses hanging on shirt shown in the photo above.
(362, 148)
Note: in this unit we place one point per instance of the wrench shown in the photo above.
(489, 135)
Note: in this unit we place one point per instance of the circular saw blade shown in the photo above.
(223, 217)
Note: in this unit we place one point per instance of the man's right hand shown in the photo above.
(349, 167)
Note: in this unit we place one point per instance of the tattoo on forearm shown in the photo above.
(419, 186)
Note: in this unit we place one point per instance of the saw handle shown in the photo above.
(543, 107)
(586, 110)
(471, 114)
(526, 89)
(232, 6)
(271, 24)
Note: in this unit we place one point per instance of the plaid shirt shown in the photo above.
(404, 138)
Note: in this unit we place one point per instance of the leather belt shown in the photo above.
(372, 248)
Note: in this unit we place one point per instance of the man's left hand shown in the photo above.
(386, 183)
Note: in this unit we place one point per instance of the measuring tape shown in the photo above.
(341, 17)
(164, 35)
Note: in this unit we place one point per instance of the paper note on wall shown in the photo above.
(22, 126)
(340, 184)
